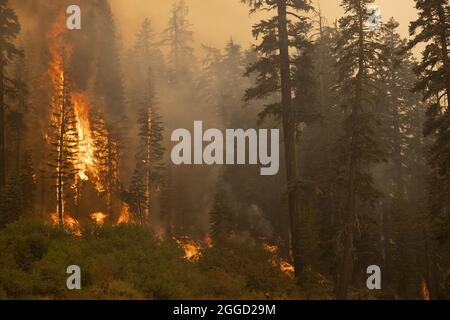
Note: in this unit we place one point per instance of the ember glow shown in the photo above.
(424, 290)
(208, 241)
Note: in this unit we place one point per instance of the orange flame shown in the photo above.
(61, 52)
(86, 165)
(125, 215)
(192, 250)
(99, 218)
(70, 223)
(284, 266)
(287, 268)
(59, 49)
(425, 292)
(208, 241)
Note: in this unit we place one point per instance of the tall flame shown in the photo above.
(61, 54)
(424, 290)
(87, 168)
(125, 214)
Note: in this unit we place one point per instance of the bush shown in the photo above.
(129, 262)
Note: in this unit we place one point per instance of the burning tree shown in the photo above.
(83, 150)
(106, 155)
(63, 136)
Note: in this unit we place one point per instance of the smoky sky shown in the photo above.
(216, 21)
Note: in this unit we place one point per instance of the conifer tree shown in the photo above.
(399, 109)
(109, 86)
(150, 149)
(9, 29)
(137, 198)
(18, 196)
(146, 50)
(106, 159)
(285, 30)
(221, 217)
(358, 50)
(64, 140)
(179, 37)
(432, 28)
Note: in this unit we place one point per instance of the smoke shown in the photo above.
(259, 225)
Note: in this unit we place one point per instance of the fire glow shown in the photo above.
(282, 264)
(99, 218)
(69, 223)
(192, 249)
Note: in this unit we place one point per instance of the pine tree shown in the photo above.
(223, 84)
(399, 109)
(144, 55)
(179, 37)
(9, 30)
(17, 129)
(150, 150)
(18, 196)
(432, 28)
(27, 181)
(358, 50)
(106, 159)
(221, 217)
(63, 135)
(10, 205)
(19, 107)
(136, 196)
(279, 35)
(109, 87)
(146, 50)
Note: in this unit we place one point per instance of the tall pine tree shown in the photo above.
(358, 51)
(433, 29)
(9, 29)
(285, 30)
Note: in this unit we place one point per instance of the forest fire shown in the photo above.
(192, 250)
(70, 223)
(99, 218)
(86, 166)
(285, 267)
(72, 141)
(125, 214)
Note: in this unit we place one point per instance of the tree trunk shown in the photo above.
(289, 132)
(149, 166)
(2, 123)
(60, 182)
(109, 177)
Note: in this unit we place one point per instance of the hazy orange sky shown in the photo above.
(215, 21)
